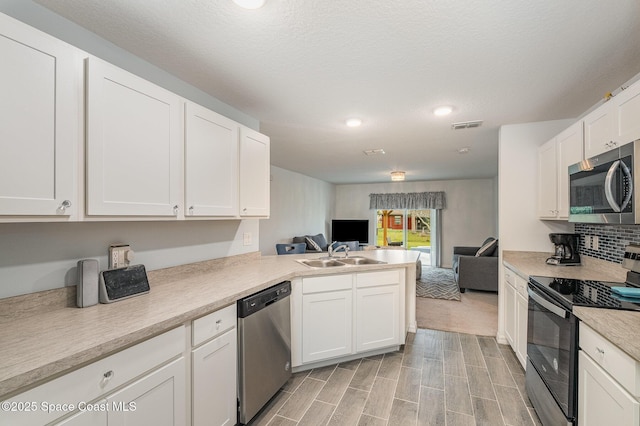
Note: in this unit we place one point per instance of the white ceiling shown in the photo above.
(302, 67)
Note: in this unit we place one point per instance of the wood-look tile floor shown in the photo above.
(438, 378)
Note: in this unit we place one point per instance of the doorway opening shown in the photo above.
(411, 229)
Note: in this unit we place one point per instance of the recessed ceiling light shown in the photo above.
(354, 122)
(442, 111)
(250, 4)
(397, 176)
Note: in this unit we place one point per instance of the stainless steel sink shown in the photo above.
(332, 262)
(321, 263)
(360, 261)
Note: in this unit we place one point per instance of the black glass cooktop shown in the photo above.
(598, 294)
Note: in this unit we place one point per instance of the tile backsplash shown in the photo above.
(612, 239)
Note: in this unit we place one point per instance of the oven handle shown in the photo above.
(561, 312)
(608, 182)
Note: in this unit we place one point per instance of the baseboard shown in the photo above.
(502, 339)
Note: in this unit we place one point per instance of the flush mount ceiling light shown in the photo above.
(353, 122)
(442, 111)
(250, 4)
(397, 176)
(374, 151)
(464, 150)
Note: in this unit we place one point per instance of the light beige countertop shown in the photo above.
(527, 263)
(622, 328)
(44, 335)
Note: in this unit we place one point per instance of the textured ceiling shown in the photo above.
(302, 67)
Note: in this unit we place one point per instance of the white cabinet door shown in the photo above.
(522, 313)
(211, 163)
(510, 313)
(377, 317)
(627, 104)
(326, 325)
(158, 399)
(599, 130)
(214, 381)
(88, 417)
(40, 86)
(134, 145)
(569, 146)
(547, 180)
(601, 400)
(254, 173)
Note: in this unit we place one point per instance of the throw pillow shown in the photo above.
(320, 240)
(312, 244)
(487, 248)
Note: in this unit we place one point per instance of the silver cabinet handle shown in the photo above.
(191, 210)
(64, 205)
(600, 351)
(175, 210)
(106, 377)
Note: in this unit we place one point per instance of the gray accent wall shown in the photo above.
(470, 216)
(300, 205)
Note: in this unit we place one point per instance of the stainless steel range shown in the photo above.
(552, 337)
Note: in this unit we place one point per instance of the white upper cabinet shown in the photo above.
(599, 130)
(211, 163)
(254, 173)
(547, 180)
(627, 105)
(134, 145)
(41, 92)
(569, 146)
(613, 124)
(554, 159)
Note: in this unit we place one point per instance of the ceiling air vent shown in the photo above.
(466, 124)
(374, 151)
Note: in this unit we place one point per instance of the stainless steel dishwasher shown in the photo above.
(264, 347)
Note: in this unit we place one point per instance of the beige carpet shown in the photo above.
(476, 313)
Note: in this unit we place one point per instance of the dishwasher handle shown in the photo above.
(256, 302)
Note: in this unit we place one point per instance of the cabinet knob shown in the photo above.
(191, 210)
(600, 351)
(175, 210)
(244, 210)
(64, 205)
(218, 324)
(106, 377)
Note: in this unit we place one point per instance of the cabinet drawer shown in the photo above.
(98, 378)
(374, 279)
(326, 283)
(618, 364)
(521, 286)
(214, 324)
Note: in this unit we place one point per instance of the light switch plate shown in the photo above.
(247, 239)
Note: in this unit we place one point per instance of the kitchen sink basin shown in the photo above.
(330, 262)
(360, 261)
(321, 263)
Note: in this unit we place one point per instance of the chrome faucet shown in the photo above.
(342, 246)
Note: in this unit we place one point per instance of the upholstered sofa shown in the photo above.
(318, 243)
(475, 268)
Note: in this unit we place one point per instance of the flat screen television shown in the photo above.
(350, 230)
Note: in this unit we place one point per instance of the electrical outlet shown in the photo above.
(595, 242)
(247, 238)
(120, 255)
(587, 241)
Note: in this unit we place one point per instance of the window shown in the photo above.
(407, 228)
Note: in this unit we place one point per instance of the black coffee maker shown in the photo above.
(566, 249)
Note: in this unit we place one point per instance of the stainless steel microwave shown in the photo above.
(601, 189)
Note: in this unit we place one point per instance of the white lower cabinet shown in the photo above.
(339, 315)
(326, 317)
(516, 312)
(213, 369)
(608, 382)
(157, 399)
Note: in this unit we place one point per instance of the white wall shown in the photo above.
(300, 205)
(43, 256)
(470, 216)
(520, 228)
(35, 257)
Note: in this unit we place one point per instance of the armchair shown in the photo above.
(477, 272)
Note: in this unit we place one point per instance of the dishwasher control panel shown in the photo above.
(261, 300)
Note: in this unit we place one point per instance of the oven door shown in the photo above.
(601, 188)
(551, 348)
